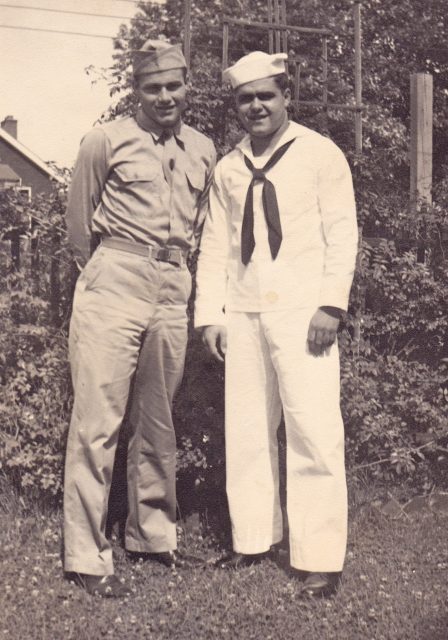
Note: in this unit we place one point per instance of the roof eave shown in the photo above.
(32, 157)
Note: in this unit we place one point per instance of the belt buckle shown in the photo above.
(163, 254)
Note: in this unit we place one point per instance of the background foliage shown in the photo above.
(393, 342)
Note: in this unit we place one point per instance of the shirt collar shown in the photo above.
(157, 132)
(293, 130)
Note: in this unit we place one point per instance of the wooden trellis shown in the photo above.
(278, 31)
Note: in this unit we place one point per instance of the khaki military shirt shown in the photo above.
(119, 188)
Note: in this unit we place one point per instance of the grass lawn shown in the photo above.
(394, 587)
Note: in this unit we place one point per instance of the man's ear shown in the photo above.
(287, 96)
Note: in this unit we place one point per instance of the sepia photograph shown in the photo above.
(224, 319)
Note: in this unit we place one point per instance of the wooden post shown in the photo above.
(35, 256)
(421, 138)
(297, 82)
(270, 32)
(15, 249)
(55, 282)
(284, 20)
(277, 21)
(225, 45)
(187, 32)
(325, 71)
(421, 147)
(358, 77)
(325, 84)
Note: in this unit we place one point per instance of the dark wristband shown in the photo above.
(334, 312)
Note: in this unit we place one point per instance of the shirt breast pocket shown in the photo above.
(134, 177)
(196, 184)
(196, 179)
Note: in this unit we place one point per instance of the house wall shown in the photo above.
(31, 175)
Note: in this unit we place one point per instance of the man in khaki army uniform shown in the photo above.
(140, 187)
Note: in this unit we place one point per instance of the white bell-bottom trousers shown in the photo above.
(268, 366)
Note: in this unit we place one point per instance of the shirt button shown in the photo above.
(271, 297)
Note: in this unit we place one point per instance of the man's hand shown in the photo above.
(215, 339)
(322, 332)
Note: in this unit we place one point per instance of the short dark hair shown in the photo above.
(282, 81)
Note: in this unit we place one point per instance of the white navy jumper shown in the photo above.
(267, 307)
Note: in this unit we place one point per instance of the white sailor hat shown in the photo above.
(254, 66)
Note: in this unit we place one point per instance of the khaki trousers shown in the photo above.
(127, 343)
(268, 366)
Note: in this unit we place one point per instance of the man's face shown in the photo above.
(261, 106)
(162, 96)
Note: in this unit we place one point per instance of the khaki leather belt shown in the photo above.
(164, 254)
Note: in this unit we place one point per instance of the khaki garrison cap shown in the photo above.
(157, 55)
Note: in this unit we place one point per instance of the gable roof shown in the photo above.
(29, 155)
(8, 174)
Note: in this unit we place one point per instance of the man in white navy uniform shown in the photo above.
(140, 184)
(274, 274)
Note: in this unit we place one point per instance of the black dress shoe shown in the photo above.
(169, 559)
(236, 560)
(321, 585)
(102, 586)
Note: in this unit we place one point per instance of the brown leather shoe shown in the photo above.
(236, 560)
(320, 584)
(102, 586)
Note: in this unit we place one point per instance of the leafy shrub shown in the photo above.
(35, 394)
(395, 413)
(393, 348)
(394, 356)
(34, 377)
(199, 420)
